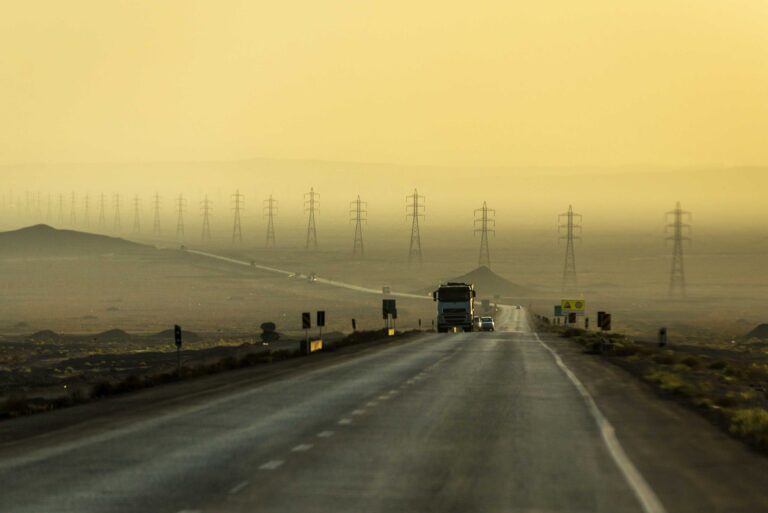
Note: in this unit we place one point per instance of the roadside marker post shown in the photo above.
(354, 325)
(663, 337)
(177, 340)
(306, 324)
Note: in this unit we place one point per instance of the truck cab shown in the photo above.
(455, 306)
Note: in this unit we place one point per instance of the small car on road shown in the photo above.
(487, 324)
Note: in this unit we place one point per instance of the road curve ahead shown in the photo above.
(476, 422)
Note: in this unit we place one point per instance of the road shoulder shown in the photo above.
(690, 464)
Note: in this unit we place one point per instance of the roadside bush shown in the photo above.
(130, 383)
(671, 382)
(17, 405)
(750, 423)
(102, 389)
(717, 365)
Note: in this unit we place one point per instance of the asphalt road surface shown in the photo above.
(454, 422)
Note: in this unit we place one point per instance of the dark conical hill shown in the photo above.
(42, 240)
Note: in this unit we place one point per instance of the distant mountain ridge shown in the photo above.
(42, 240)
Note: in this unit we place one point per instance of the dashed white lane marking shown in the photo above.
(325, 434)
(271, 465)
(370, 404)
(238, 488)
(344, 422)
(358, 412)
(190, 511)
(411, 381)
(302, 448)
(643, 491)
(383, 397)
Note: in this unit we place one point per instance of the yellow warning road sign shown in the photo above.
(573, 306)
(315, 345)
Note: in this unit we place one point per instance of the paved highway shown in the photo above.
(459, 422)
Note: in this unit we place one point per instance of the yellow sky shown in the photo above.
(552, 82)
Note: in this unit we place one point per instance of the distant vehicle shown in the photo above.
(487, 324)
(455, 306)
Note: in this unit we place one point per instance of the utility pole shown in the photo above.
(680, 232)
(116, 221)
(180, 205)
(566, 222)
(206, 211)
(485, 218)
(414, 209)
(102, 215)
(310, 206)
(270, 211)
(136, 215)
(156, 223)
(73, 210)
(237, 231)
(358, 212)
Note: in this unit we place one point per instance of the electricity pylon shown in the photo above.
(270, 212)
(86, 209)
(310, 206)
(358, 214)
(680, 232)
(570, 281)
(181, 203)
(206, 212)
(116, 220)
(414, 208)
(485, 218)
(73, 210)
(102, 222)
(156, 223)
(237, 231)
(49, 210)
(61, 209)
(136, 215)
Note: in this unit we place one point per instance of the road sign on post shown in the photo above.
(558, 311)
(320, 322)
(604, 321)
(577, 306)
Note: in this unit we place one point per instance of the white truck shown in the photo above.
(455, 306)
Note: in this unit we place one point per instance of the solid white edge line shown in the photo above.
(643, 491)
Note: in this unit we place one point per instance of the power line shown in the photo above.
(680, 232)
(570, 280)
(414, 209)
(487, 223)
(270, 211)
(359, 214)
(237, 231)
(310, 205)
